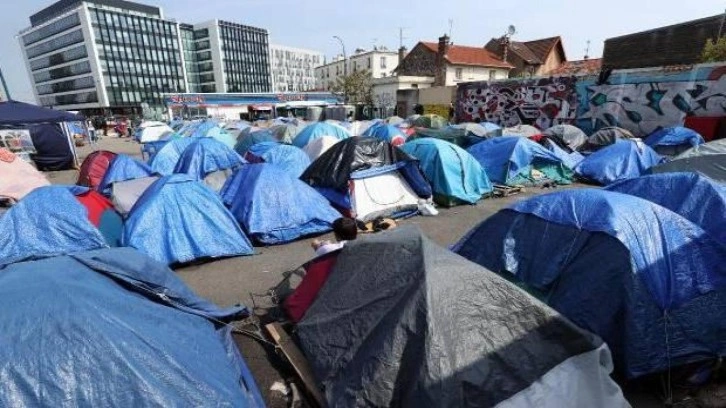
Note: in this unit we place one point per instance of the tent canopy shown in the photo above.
(430, 329)
(621, 160)
(94, 168)
(249, 139)
(193, 220)
(166, 158)
(516, 160)
(123, 168)
(317, 130)
(521, 130)
(605, 137)
(389, 133)
(274, 207)
(457, 136)
(206, 155)
(14, 113)
(658, 262)
(455, 176)
(674, 136)
(123, 331)
(289, 158)
(567, 137)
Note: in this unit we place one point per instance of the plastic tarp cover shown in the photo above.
(384, 194)
(690, 195)
(674, 136)
(292, 159)
(566, 135)
(318, 146)
(521, 130)
(605, 137)
(123, 331)
(570, 160)
(457, 136)
(94, 167)
(18, 178)
(452, 171)
(622, 160)
(317, 130)
(63, 228)
(712, 166)
(710, 148)
(274, 207)
(389, 133)
(166, 158)
(247, 140)
(206, 155)
(123, 168)
(193, 220)
(125, 194)
(511, 159)
(401, 321)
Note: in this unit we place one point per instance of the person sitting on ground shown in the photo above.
(345, 229)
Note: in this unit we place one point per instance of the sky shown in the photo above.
(362, 24)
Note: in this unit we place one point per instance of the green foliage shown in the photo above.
(356, 86)
(714, 51)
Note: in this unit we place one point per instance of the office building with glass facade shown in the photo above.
(293, 69)
(121, 57)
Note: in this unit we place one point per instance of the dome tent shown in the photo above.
(249, 139)
(94, 167)
(604, 137)
(513, 160)
(210, 161)
(567, 137)
(707, 159)
(123, 168)
(318, 146)
(554, 244)
(621, 160)
(166, 158)
(389, 133)
(274, 207)
(672, 141)
(366, 178)
(194, 222)
(439, 331)
(456, 177)
(289, 158)
(521, 130)
(317, 130)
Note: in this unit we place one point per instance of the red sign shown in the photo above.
(292, 97)
(185, 99)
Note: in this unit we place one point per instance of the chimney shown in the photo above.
(440, 68)
(401, 54)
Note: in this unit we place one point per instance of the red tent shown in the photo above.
(94, 168)
(316, 273)
(96, 204)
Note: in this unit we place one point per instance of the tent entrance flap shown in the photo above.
(381, 196)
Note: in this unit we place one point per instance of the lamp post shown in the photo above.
(345, 68)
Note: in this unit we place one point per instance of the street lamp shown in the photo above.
(345, 68)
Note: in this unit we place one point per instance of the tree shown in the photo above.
(714, 51)
(356, 87)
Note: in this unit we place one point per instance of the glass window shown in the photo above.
(52, 29)
(65, 86)
(59, 58)
(78, 98)
(459, 73)
(56, 43)
(70, 70)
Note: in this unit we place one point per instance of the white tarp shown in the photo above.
(381, 196)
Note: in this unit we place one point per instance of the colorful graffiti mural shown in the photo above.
(641, 101)
(542, 102)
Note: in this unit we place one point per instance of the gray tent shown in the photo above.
(571, 136)
(402, 321)
(605, 137)
(707, 159)
(705, 149)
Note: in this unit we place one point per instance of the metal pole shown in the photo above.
(345, 68)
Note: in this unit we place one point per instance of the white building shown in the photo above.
(385, 91)
(379, 62)
(293, 69)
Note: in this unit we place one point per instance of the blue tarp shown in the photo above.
(249, 139)
(568, 159)
(123, 168)
(452, 172)
(658, 264)
(48, 221)
(206, 155)
(390, 133)
(20, 113)
(52, 146)
(292, 159)
(209, 128)
(674, 136)
(511, 159)
(317, 130)
(693, 196)
(166, 158)
(621, 160)
(111, 327)
(178, 220)
(275, 207)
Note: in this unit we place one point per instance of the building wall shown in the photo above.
(419, 62)
(293, 69)
(385, 91)
(639, 100)
(245, 57)
(553, 61)
(381, 64)
(470, 73)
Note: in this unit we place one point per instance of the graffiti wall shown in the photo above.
(639, 100)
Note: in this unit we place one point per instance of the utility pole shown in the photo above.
(587, 50)
(345, 68)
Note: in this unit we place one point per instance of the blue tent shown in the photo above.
(248, 139)
(292, 159)
(178, 220)
(455, 176)
(568, 159)
(210, 128)
(690, 195)
(390, 133)
(317, 130)
(274, 207)
(123, 168)
(205, 156)
(48, 221)
(512, 160)
(621, 160)
(166, 158)
(111, 327)
(672, 141)
(659, 299)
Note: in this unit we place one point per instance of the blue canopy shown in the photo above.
(674, 136)
(390, 133)
(571, 160)
(209, 128)
(166, 158)
(248, 139)
(48, 221)
(317, 130)
(206, 155)
(111, 327)
(123, 168)
(658, 264)
(621, 160)
(289, 158)
(690, 195)
(455, 176)
(20, 113)
(178, 219)
(511, 160)
(274, 207)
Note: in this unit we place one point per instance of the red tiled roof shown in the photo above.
(462, 55)
(581, 67)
